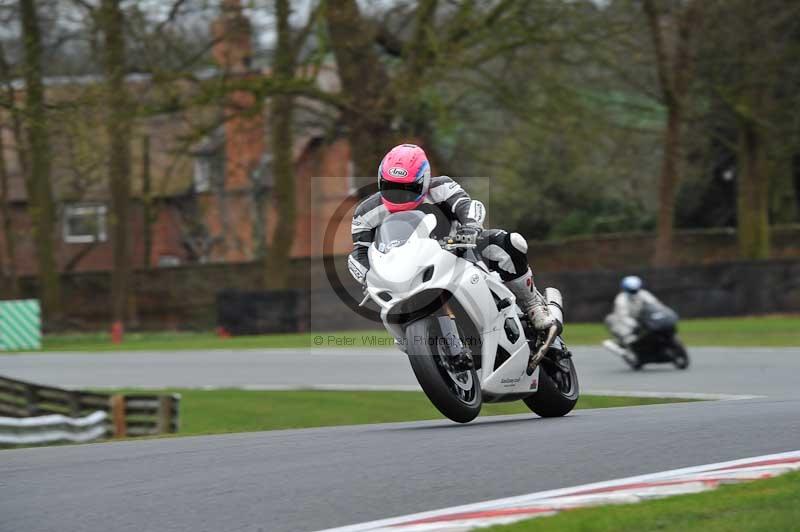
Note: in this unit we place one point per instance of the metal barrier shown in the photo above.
(124, 415)
(52, 428)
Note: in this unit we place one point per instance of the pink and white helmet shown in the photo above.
(404, 176)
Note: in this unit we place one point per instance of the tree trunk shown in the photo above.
(276, 274)
(796, 183)
(11, 283)
(118, 128)
(14, 111)
(366, 86)
(752, 194)
(40, 196)
(783, 197)
(148, 214)
(672, 33)
(667, 187)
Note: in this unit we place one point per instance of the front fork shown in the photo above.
(459, 355)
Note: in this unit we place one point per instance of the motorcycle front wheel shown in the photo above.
(680, 358)
(457, 395)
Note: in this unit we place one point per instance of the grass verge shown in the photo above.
(223, 411)
(763, 505)
(763, 331)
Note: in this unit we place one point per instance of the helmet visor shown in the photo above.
(400, 192)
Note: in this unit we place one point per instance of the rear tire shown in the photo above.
(457, 396)
(555, 397)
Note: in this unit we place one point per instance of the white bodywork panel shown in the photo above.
(400, 270)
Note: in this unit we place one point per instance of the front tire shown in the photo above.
(558, 390)
(632, 360)
(456, 395)
(679, 355)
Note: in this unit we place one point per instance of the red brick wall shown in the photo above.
(323, 190)
(96, 256)
(166, 236)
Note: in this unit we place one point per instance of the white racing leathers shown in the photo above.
(445, 199)
(624, 321)
(503, 252)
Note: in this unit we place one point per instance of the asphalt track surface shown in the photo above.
(772, 372)
(317, 478)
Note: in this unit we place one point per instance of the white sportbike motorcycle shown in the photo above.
(466, 339)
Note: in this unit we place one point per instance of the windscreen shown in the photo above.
(397, 228)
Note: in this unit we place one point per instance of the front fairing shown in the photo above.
(399, 274)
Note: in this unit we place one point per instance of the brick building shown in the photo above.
(200, 179)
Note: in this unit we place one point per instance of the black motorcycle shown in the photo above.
(657, 341)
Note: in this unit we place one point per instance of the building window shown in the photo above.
(209, 168)
(84, 223)
(202, 173)
(168, 261)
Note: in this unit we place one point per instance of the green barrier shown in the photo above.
(20, 325)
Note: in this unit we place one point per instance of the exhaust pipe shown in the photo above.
(552, 297)
(556, 305)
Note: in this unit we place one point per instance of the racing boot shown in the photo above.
(531, 301)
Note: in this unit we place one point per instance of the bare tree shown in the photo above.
(388, 70)
(119, 116)
(672, 32)
(40, 195)
(8, 102)
(753, 58)
(148, 208)
(365, 84)
(276, 271)
(10, 270)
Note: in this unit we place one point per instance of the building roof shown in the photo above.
(79, 141)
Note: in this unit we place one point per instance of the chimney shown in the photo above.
(244, 119)
(230, 211)
(232, 33)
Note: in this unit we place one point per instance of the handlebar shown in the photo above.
(458, 241)
(450, 244)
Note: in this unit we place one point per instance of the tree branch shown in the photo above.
(663, 65)
(302, 36)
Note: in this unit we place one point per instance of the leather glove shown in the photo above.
(468, 234)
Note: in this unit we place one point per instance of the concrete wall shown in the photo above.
(722, 289)
(635, 250)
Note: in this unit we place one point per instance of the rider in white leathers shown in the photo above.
(405, 183)
(628, 306)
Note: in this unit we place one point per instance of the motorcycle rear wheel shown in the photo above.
(456, 395)
(557, 394)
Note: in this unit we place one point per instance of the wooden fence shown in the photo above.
(128, 415)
